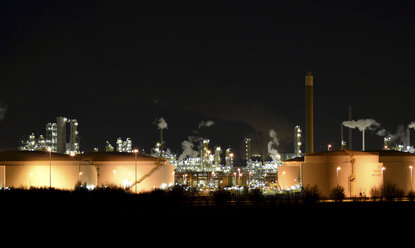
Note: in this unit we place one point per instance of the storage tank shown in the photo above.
(356, 172)
(44, 169)
(114, 168)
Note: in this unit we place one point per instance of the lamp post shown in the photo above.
(410, 167)
(283, 180)
(135, 175)
(337, 172)
(50, 167)
(30, 182)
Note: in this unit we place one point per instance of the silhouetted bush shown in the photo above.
(376, 193)
(221, 197)
(411, 195)
(310, 194)
(255, 196)
(337, 194)
(391, 192)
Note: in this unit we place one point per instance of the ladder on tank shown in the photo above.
(151, 172)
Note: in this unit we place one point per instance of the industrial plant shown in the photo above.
(56, 140)
(55, 161)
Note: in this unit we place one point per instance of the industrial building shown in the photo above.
(357, 172)
(47, 169)
(56, 140)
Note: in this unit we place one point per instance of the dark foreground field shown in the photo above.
(176, 210)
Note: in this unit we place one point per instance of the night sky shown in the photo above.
(118, 66)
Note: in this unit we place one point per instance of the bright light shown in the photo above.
(126, 183)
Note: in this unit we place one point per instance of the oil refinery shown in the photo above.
(56, 161)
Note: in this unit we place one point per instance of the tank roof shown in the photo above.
(117, 156)
(341, 153)
(392, 153)
(90, 156)
(296, 159)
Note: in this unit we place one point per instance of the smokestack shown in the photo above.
(309, 129)
(363, 140)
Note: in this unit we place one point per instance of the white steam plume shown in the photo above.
(398, 136)
(273, 142)
(206, 124)
(362, 124)
(187, 146)
(161, 123)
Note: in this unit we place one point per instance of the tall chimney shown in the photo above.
(309, 129)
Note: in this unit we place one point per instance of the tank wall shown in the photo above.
(326, 176)
(398, 173)
(322, 171)
(122, 173)
(291, 175)
(63, 174)
(368, 176)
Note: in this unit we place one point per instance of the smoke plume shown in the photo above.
(187, 146)
(362, 124)
(398, 136)
(161, 123)
(205, 124)
(273, 142)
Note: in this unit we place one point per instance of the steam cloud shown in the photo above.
(162, 124)
(187, 146)
(206, 124)
(273, 142)
(362, 124)
(398, 136)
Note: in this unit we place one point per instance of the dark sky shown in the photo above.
(117, 66)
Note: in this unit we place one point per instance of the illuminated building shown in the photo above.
(386, 143)
(55, 138)
(297, 141)
(51, 136)
(44, 169)
(247, 150)
(109, 147)
(124, 146)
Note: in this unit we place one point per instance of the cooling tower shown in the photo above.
(309, 129)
